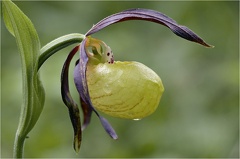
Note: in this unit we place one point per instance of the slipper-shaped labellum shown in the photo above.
(122, 89)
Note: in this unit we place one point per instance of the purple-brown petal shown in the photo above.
(148, 15)
(108, 128)
(69, 102)
(87, 110)
(87, 113)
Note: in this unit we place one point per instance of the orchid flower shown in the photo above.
(126, 89)
(105, 84)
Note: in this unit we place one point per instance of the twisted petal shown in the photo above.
(81, 84)
(148, 15)
(69, 102)
(87, 110)
(87, 113)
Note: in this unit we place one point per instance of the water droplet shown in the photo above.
(136, 119)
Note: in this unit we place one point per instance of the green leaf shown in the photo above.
(20, 26)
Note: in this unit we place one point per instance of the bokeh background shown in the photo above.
(198, 115)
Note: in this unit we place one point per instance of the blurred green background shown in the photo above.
(198, 115)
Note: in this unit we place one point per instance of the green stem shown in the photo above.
(18, 146)
(58, 44)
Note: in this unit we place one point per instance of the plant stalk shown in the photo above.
(18, 146)
(58, 44)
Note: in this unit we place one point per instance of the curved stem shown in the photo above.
(58, 44)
